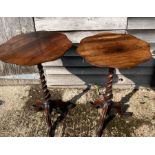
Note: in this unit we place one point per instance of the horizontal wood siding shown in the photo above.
(141, 23)
(96, 70)
(96, 79)
(144, 28)
(10, 27)
(79, 23)
(72, 70)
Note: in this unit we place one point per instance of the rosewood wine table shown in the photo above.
(112, 51)
(33, 49)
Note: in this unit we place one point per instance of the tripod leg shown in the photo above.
(102, 121)
(48, 106)
(106, 105)
(47, 97)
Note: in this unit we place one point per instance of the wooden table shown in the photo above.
(113, 51)
(33, 49)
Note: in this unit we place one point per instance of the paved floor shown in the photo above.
(17, 118)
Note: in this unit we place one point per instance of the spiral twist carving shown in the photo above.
(46, 92)
(47, 97)
(107, 101)
(108, 93)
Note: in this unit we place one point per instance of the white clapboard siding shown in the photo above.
(96, 71)
(72, 70)
(141, 23)
(96, 79)
(14, 82)
(80, 23)
(147, 35)
(34, 76)
(10, 27)
(78, 28)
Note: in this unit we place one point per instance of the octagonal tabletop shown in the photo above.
(34, 48)
(114, 50)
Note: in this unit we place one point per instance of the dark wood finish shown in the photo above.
(34, 48)
(114, 50)
(107, 105)
(49, 105)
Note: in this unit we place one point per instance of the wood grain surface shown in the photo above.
(34, 48)
(114, 50)
(10, 27)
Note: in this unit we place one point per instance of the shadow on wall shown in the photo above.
(90, 74)
(152, 83)
(138, 76)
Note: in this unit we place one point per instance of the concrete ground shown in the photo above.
(18, 118)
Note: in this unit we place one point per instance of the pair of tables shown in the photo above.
(102, 50)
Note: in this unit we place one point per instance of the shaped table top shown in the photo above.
(114, 50)
(34, 48)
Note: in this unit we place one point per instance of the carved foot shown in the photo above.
(53, 105)
(38, 106)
